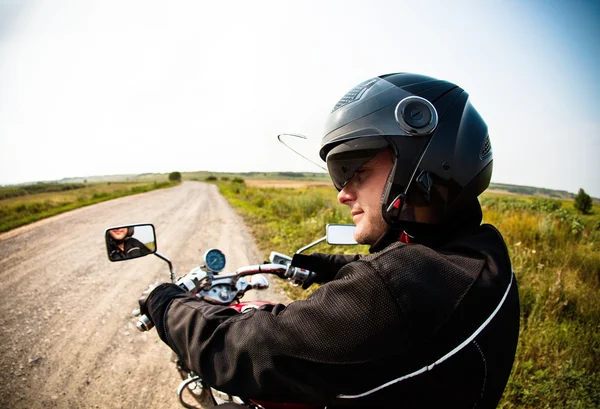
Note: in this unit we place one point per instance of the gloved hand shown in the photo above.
(274, 309)
(155, 304)
(142, 300)
(310, 280)
(324, 266)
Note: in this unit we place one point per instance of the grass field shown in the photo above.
(556, 258)
(20, 205)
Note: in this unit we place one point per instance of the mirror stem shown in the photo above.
(157, 254)
(314, 243)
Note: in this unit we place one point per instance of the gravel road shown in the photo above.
(67, 338)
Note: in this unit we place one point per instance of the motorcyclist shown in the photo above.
(430, 319)
(122, 246)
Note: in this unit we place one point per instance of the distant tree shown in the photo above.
(211, 178)
(175, 177)
(583, 202)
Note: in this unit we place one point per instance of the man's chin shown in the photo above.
(361, 237)
(369, 234)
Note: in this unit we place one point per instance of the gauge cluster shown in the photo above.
(214, 259)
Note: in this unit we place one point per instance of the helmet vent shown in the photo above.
(486, 149)
(355, 93)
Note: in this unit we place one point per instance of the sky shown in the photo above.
(127, 87)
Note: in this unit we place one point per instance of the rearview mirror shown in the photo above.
(341, 234)
(131, 241)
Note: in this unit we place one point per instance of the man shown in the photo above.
(122, 246)
(430, 319)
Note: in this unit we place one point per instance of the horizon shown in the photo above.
(321, 173)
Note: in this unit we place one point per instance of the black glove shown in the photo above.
(324, 266)
(310, 280)
(274, 309)
(155, 305)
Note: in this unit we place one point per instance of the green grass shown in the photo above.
(556, 257)
(21, 205)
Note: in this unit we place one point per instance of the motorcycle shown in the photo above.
(209, 282)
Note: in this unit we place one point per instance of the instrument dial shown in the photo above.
(214, 260)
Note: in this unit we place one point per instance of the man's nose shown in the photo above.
(346, 195)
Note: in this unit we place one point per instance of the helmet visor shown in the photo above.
(346, 158)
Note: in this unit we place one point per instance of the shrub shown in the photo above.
(583, 202)
(211, 178)
(175, 177)
(545, 205)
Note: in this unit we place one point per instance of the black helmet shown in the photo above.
(441, 148)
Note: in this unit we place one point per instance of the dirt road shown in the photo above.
(67, 339)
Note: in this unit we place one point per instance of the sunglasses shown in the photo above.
(346, 158)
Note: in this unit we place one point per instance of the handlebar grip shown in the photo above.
(298, 275)
(144, 324)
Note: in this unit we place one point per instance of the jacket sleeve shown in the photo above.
(326, 266)
(309, 352)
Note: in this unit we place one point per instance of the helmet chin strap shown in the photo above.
(391, 233)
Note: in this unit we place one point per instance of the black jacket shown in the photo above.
(411, 326)
(132, 248)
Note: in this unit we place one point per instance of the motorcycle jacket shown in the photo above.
(414, 325)
(132, 247)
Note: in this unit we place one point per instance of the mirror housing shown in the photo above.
(335, 234)
(130, 241)
(340, 234)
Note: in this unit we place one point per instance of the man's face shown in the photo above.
(118, 234)
(363, 194)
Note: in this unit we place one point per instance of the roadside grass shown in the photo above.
(26, 204)
(555, 254)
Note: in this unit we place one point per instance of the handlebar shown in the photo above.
(204, 285)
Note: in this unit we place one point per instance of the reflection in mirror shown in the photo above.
(132, 241)
(341, 234)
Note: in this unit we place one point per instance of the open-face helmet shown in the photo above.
(440, 145)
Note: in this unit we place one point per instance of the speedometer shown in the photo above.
(214, 260)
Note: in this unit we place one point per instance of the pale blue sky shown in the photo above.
(112, 87)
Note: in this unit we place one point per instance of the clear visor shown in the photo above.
(346, 158)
